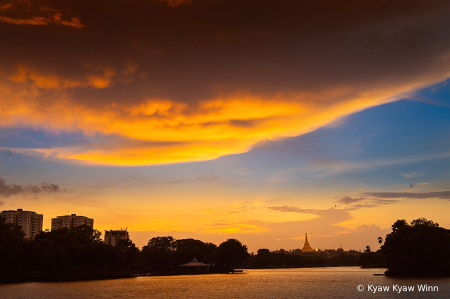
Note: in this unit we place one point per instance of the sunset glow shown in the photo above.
(217, 119)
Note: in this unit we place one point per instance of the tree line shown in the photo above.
(282, 259)
(80, 250)
(417, 249)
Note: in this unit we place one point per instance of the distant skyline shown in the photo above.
(259, 121)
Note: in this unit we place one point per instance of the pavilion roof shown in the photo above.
(194, 263)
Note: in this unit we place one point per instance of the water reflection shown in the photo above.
(339, 282)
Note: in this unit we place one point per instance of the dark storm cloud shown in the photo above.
(27, 12)
(216, 75)
(191, 51)
(438, 194)
(7, 190)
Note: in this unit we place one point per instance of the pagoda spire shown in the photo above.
(306, 246)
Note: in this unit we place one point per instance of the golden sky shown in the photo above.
(163, 87)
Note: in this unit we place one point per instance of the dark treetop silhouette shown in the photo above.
(420, 248)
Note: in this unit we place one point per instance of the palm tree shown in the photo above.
(380, 240)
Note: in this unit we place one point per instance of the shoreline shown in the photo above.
(99, 276)
(47, 277)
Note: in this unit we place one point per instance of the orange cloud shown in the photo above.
(99, 78)
(156, 131)
(40, 15)
(193, 100)
(32, 21)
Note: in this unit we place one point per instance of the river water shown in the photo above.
(341, 282)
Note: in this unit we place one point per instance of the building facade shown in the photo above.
(31, 222)
(71, 221)
(112, 237)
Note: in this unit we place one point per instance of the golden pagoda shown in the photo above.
(307, 247)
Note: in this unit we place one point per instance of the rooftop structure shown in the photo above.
(195, 266)
(306, 246)
(31, 222)
(71, 221)
(112, 237)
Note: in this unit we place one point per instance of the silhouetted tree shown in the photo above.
(265, 257)
(87, 234)
(12, 247)
(186, 249)
(380, 240)
(128, 253)
(372, 260)
(158, 253)
(399, 224)
(423, 222)
(418, 249)
(232, 252)
(66, 250)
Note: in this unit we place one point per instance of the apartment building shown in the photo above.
(112, 237)
(71, 221)
(31, 222)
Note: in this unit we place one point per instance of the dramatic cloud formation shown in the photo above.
(177, 83)
(27, 12)
(7, 190)
(439, 194)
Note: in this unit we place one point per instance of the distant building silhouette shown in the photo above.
(31, 222)
(195, 267)
(306, 246)
(71, 221)
(114, 236)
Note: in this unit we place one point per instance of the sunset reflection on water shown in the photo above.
(339, 282)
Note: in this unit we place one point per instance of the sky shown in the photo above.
(215, 119)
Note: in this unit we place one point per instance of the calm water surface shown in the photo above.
(339, 282)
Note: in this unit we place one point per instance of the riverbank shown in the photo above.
(86, 276)
(50, 277)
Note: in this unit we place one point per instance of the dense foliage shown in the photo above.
(420, 248)
(164, 253)
(12, 248)
(295, 258)
(416, 249)
(62, 251)
(231, 253)
(80, 251)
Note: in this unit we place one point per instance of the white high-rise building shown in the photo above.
(71, 221)
(31, 222)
